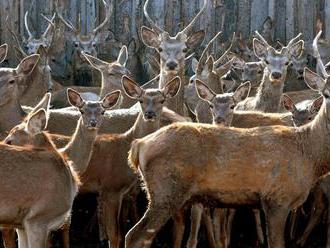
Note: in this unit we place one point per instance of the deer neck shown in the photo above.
(176, 103)
(316, 142)
(80, 147)
(268, 97)
(108, 86)
(11, 114)
(142, 128)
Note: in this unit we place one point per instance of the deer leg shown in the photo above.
(207, 221)
(293, 223)
(217, 225)
(328, 228)
(9, 239)
(275, 218)
(65, 235)
(178, 228)
(230, 217)
(113, 206)
(316, 214)
(22, 238)
(195, 216)
(100, 216)
(257, 218)
(37, 235)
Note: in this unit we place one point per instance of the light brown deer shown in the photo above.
(278, 178)
(110, 156)
(172, 51)
(87, 43)
(276, 62)
(42, 210)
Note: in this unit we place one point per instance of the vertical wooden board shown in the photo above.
(89, 19)
(123, 19)
(305, 22)
(327, 18)
(220, 16)
(290, 29)
(272, 8)
(206, 22)
(259, 13)
(231, 18)
(280, 20)
(243, 17)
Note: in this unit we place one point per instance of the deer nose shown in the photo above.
(219, 120)
(171, 65)
(276, 75)
(93, 123)
(149, 115)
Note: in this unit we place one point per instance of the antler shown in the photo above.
(107, 17)
(50, 24)
(18, 47)
(204, 55)
(294, 40)
(26, 25)
(262, 39)
(66, 23)
(318, 56)
(154, 26)
(221, 60)
(188, 28)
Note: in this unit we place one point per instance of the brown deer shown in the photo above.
(39, 218)
(172, 51)
(276, 62)
(112, 190)
(228, 173)
(85, 43)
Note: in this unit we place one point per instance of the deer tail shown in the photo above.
(133, 155)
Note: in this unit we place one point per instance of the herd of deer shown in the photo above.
(252, 145)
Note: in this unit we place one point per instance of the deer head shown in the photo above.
(151, 100)
(11, 79)
(111, 72)
(304, 112)
(87, 43)
(92, 111)
(222, 105)
(275, 61)
(210, 71)
(172, 49)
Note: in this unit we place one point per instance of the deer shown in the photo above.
(173, 51)
(276, 62)
(85, 43)
(35, 148)
(280, 185)
(111, 191)
(111, 74)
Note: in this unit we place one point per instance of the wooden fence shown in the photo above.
(290, 16)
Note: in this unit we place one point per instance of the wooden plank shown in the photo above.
(257, 16)
(327, 18)
(243, 17)
(290, 11)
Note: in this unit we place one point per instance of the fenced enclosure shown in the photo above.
(245, 16)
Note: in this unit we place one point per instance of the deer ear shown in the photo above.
(172, 88)
(288, 103)
(149, 37)
(259, 48)
(3, 52)
(111, 99)
(242, 92)
(27, 65)
(122, 56)
(227, 85)
(43, 104)
(75, 98)
(194, 64)
(203, 91)
(297, 49)
(223, 69)
(195, 39)
(37, 122)
(316, 105)
(132, 47)
(132, 89)
(210, 64)
(313, 80)
(95, 62)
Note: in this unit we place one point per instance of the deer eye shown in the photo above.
(11, 81)
(76, 44)
(102, 112)
(287, 63)
(94, 44)
(160, 49)
(211, 106)
(162, 101)
(185, 50)
(232, 106)
(267, 62)
(82, 111)
(259, 72)
(310, 118)
(140, 101)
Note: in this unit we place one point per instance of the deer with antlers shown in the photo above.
(85, 42)
(173, 51)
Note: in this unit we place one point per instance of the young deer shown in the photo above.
(48, 208)
(110, 156)
(278, 178)
(276, 62)
(172, 51)
(111, 74)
